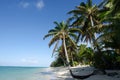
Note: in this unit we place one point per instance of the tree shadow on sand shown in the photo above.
(80, 73)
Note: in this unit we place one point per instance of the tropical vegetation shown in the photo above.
(95, 25)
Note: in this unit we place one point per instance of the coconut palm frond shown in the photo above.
(54, 39)
(48, 35)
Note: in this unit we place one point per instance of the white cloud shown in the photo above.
(25, 4)
(35, 4)
(29, 61)
(40, 4)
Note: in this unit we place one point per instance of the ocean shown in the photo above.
(25, 73)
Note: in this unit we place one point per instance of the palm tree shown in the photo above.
(72, 50)
(87, 17)
(110, 36)
(112, 5)
(85, 54)
(63, 33)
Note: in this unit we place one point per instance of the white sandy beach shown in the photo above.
(62, 73)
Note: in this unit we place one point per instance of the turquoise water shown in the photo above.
(25, 73)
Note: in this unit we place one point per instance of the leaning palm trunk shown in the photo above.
(68, 61)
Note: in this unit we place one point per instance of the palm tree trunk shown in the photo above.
(68, 61)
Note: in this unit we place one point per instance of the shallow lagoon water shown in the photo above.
(25, 73)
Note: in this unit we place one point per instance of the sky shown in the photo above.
(23, 24)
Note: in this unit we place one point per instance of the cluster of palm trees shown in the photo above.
(96, 25)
